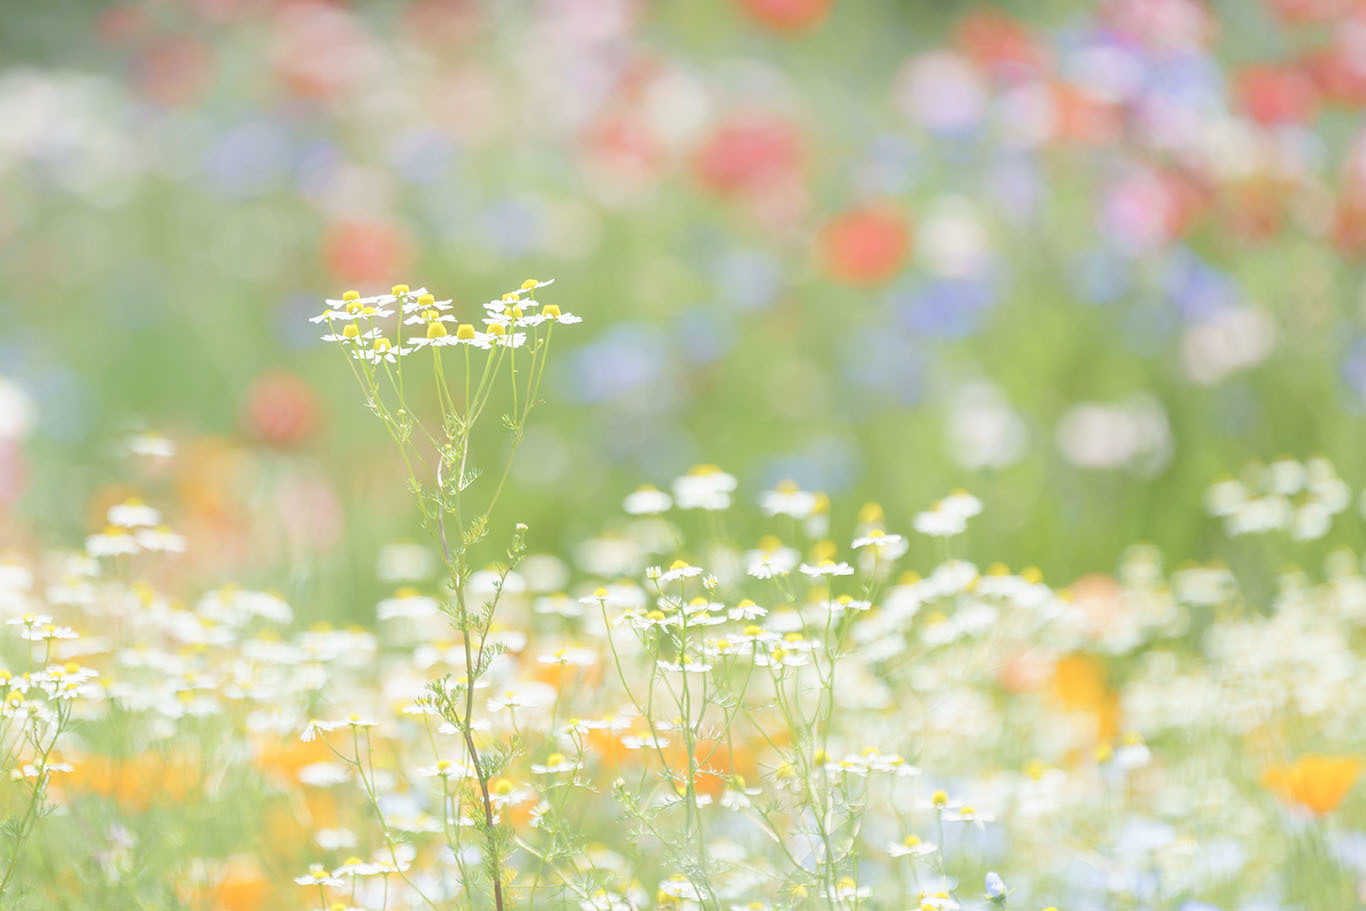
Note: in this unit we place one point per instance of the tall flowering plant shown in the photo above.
(385, 339)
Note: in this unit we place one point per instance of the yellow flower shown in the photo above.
(1317, 782)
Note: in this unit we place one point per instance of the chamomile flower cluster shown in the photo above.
(1299, 498)
(836, 707)
(360, 324)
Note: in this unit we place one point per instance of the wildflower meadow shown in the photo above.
(723, 455)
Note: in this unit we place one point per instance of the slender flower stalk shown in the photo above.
(456, 507)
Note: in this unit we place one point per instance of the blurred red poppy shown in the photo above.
(998, 43)
(788, 15)
(280, 409)
(865, 246)
(121, 23)
(1276, 95)
(1302, 12)
(625, 148)
(369, 251)
(175, 70)
(748, 152)
(442, 23)
(1339, 72)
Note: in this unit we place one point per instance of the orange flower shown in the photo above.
(717, 762)
(242, 887)
(1079, 684)
(788, 15)
(866, 246)
(1313, 781)
(135, 783)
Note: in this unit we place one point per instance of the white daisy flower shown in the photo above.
(647, 501)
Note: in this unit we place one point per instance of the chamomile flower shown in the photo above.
(554, 764)
(787, 499)
(677, 571)
(37, 769)
(114, 541)
(495, 337)
(939, 523)
(355, 866)
(689, 665)
(911, 846)
(847, 890)
(318, 875)
(826, 569)
(382, 350)
(655, 619)
(161, 539)
(937, 901)
(133, 513)
(842, 603)
(151, 445)
(780, 657)
(408, 604)
(704, 487)
(560, 604)
(771, 559)
(647, 501)
(316, 726)
(569, 657)
(878, 539)
(528, 287)
(47, 633)
(643, 742)
(426, 308)
(966, 813)
(551, 313)
(746, 609)
(353, 334)
(446, 769)
(524, 695)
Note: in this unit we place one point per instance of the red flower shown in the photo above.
(788, 15)
(280, 409)
(174, 71)
(366, 252)
(748, 153)
(1303, 12)
(1337, 72)
(1274, 95)
(866, 246)
(998, 43)
(121, 24)
(624, 148)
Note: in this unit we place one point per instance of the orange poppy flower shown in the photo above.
(1079, 684)
(1316, 782)
(866, 246)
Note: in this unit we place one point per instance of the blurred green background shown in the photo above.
(1079, 258)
